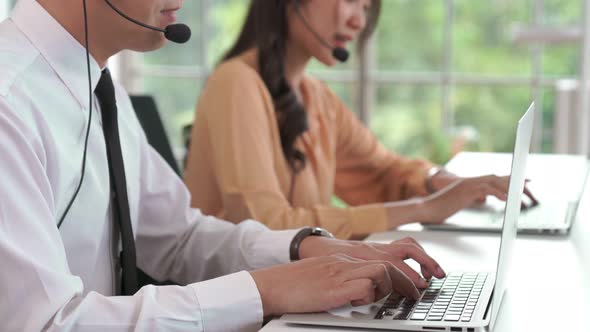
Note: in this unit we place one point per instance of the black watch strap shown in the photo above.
(301, 235)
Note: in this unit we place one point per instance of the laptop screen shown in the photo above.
(522, 144)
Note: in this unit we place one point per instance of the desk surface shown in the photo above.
(550, 279)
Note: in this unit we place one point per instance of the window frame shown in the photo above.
(369, 78)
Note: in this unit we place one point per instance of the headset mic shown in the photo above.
(339, 53)
(178, 33)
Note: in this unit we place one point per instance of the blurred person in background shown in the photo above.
(275, 144)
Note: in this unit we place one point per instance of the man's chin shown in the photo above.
(152, 45)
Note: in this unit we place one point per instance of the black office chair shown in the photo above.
(147, 113)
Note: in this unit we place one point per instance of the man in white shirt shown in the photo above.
(68, 277)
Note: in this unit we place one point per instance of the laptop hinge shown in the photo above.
(489, 306)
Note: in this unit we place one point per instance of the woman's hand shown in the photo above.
(463, 193)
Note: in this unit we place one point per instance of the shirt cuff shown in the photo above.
(230, 303)
(272, 247)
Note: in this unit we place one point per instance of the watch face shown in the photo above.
(317, 231)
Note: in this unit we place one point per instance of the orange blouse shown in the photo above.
(236, 169)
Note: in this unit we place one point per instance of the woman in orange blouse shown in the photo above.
(273, 144)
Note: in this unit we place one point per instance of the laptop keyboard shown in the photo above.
(453, 298)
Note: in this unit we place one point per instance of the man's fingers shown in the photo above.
(417, 280)
(399, 281)
(409, 240)
(377, 272)
(403, 285)
(420, 256)
(359, 291)
(368, 299)
(425, 273)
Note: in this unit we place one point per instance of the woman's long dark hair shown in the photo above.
(266, 30)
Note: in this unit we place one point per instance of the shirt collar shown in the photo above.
(65, 55)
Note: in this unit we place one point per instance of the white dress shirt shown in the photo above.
(66, 279)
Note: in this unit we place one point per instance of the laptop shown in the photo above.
(462, 301)
(557, 182)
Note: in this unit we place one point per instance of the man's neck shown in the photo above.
(72, 20)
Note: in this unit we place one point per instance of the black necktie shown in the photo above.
(105, 92)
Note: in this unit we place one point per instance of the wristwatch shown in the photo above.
(301, 235)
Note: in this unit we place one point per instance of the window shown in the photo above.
(456, 63)
(5, 8)
(176, 73)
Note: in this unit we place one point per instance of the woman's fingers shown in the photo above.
(503, 184)
(527, 192)
(492, 190)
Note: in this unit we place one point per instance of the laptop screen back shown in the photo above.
(522, 143)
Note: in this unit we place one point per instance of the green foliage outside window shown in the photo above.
(407, 117)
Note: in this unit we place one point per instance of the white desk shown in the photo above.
(550, 288)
